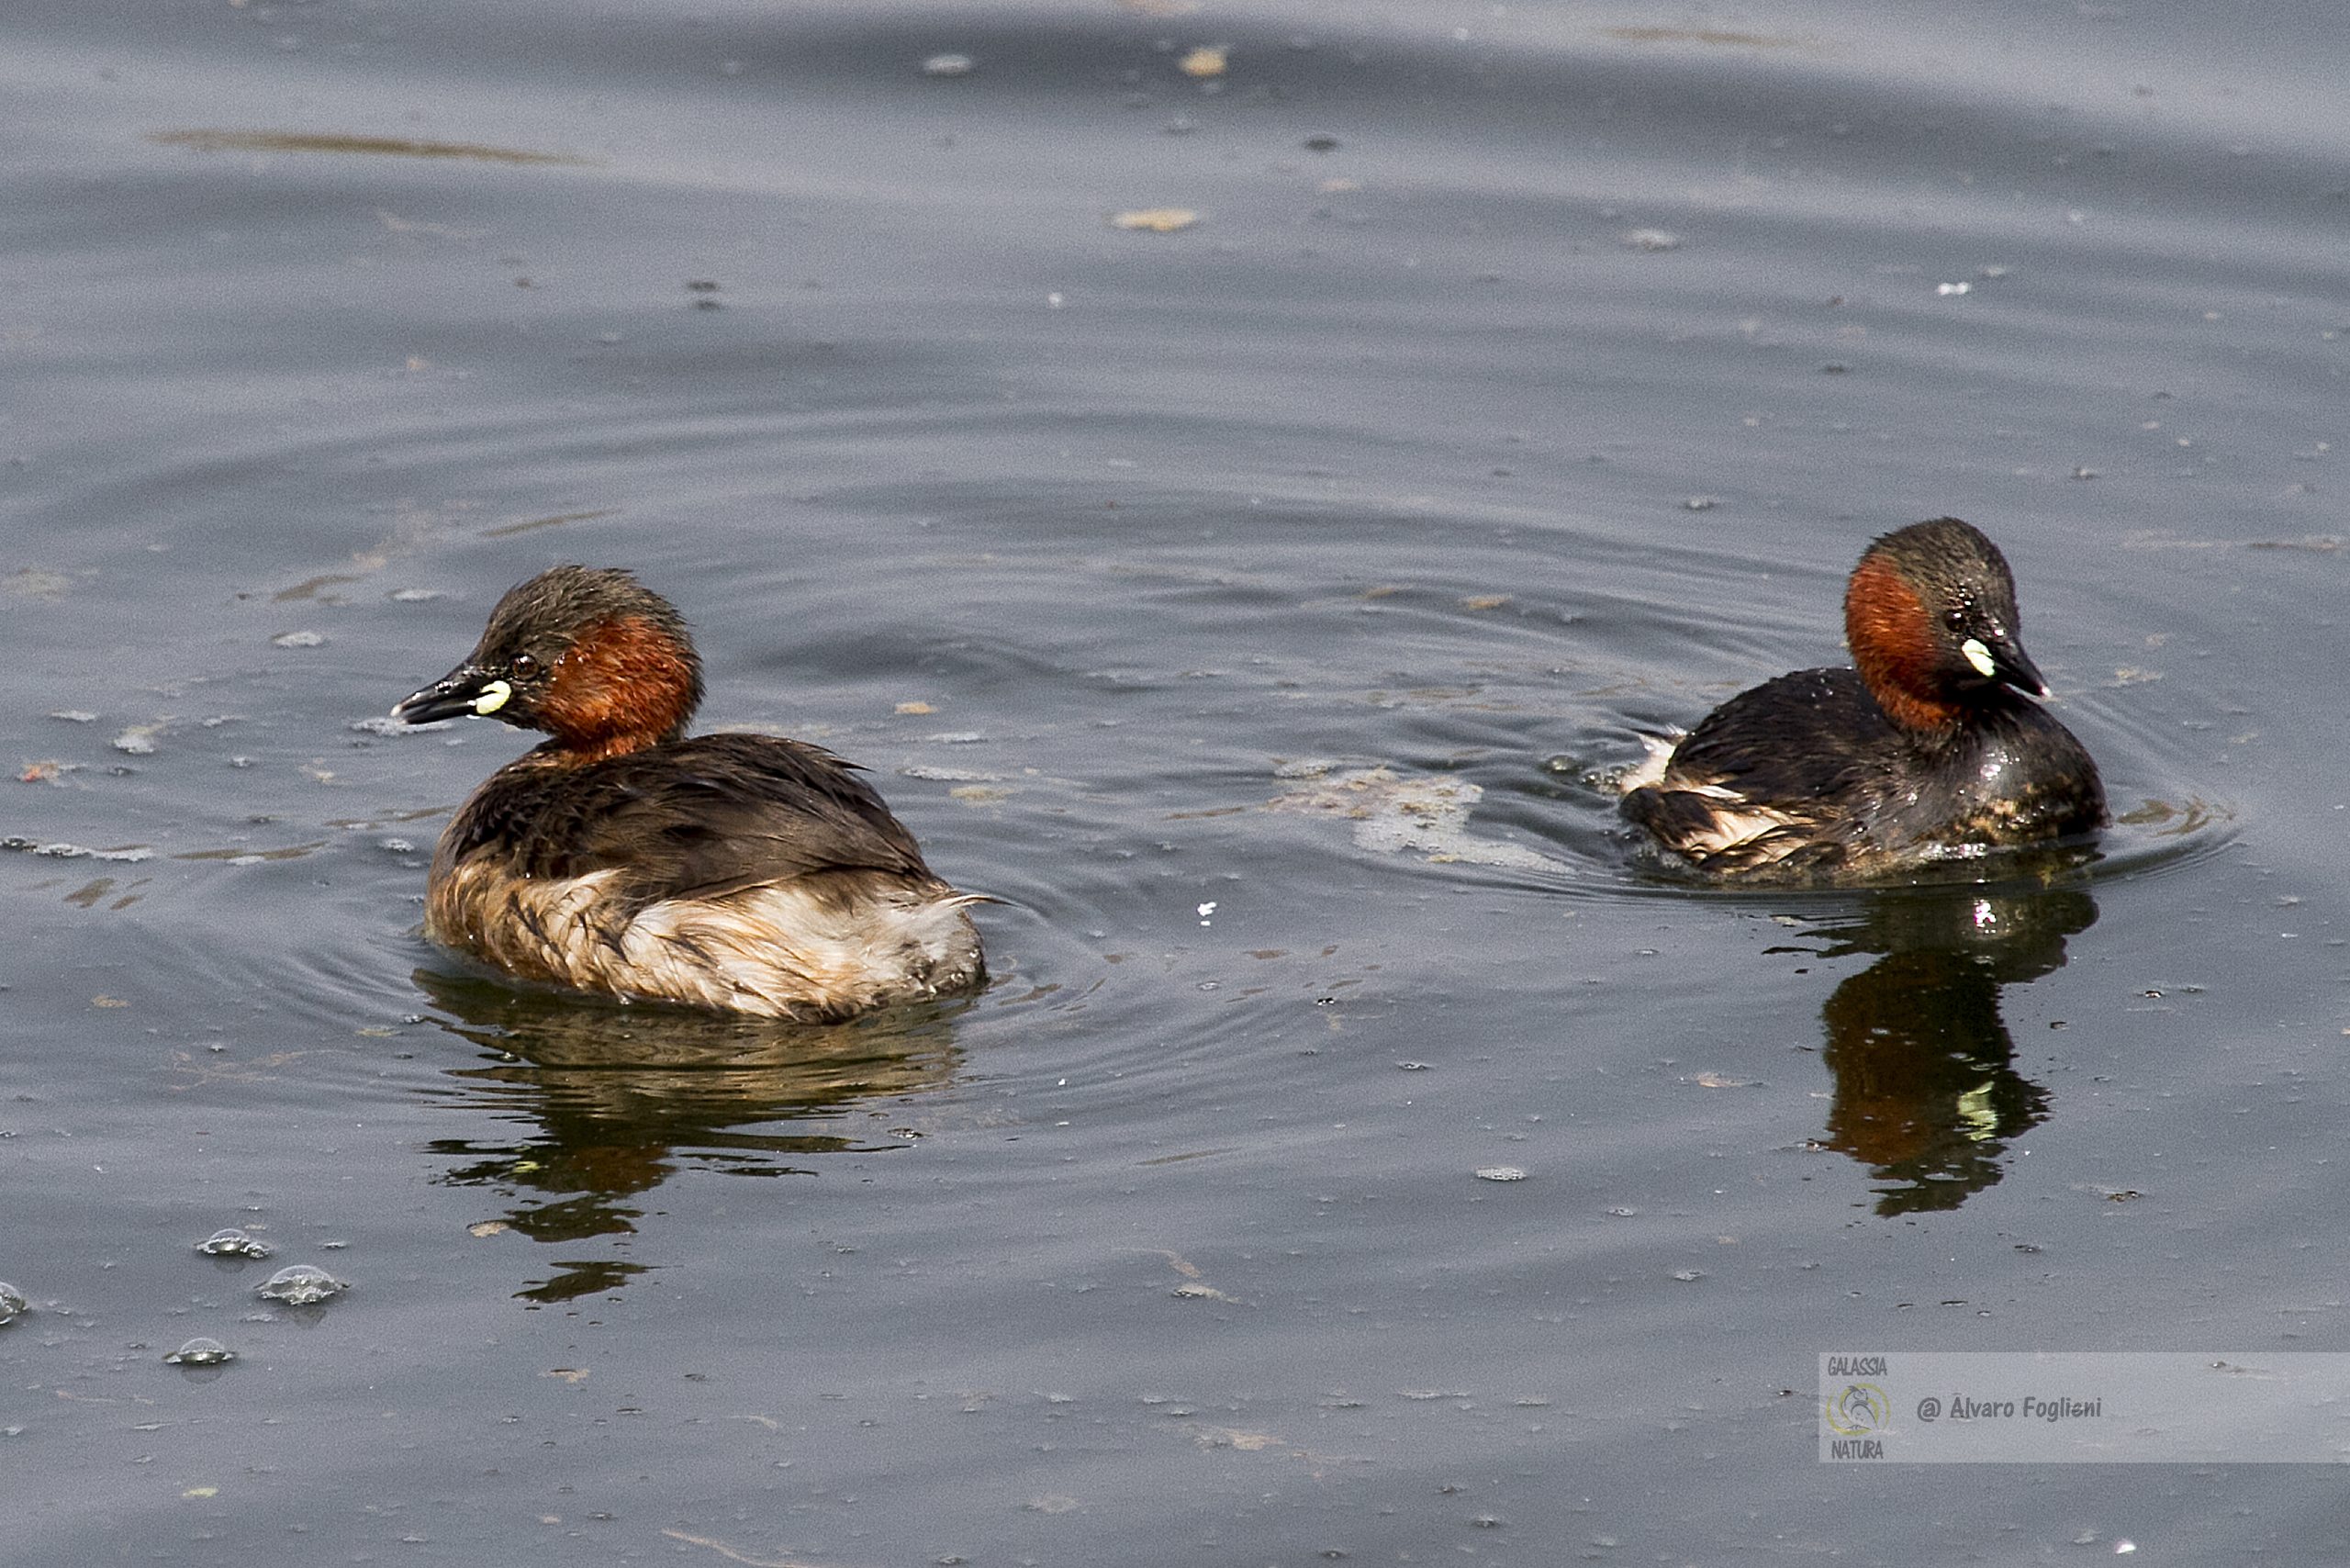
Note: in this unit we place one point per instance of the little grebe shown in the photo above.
(1928, 750)
(736, 871)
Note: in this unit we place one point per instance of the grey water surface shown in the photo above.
(1241, 475)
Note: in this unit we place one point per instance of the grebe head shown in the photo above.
(587, 655)
(1931, 617)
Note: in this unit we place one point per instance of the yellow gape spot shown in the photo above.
(493, 697)
(1976, 655)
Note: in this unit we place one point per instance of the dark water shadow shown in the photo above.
(1926, 1091)
(616, 1100)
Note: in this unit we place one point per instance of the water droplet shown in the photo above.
(302, 1284)
(201, 1352)
(234, 1243)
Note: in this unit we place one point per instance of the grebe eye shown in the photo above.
(525, 665)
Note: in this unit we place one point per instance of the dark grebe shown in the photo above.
(1928, 750)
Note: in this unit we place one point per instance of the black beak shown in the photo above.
(463, 690)
(2012, 667)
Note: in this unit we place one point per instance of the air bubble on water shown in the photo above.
(234, 1243)
(201, 1352)
(12, 1303)
(302, 1284)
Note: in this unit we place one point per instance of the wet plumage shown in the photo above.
(737, 871)
(1929, 749)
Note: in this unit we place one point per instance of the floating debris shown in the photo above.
(1393, 814)
(201, 1352)
(61, 851)
(139, 740)
(1321, 144)
(1208, 59)
(1651, 239)
(299, 640)
(949, 775)
(949, 65)
(1155, 219)
(1947, 290)
(1195, 1290)
(74, 716)
(1697, 35)
(234, 1243)
(413, 595)
(384, 725)
(1501, 1173)
(34, 583)
(13, 1304)
(302, 1284)
(387, 146)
